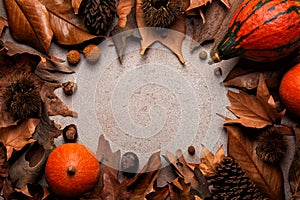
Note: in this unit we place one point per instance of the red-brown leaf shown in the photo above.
(3, 24)
(29, 23)
(267, 177)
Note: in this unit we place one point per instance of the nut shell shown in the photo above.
(92, 53)
(73, 57)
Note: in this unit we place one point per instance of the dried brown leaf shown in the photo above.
(253, 112)
(294, 172)
(68, 29)
(173, 39)
(17, 136)
(29, 23)
(209, 161)
(4, 165)
(142, 184)
(54, 105)
(159, 193)
(180, 190)
(124, 7)
(76, 5)
(3, 24)
(267, 177)
(106, 156)
(198, 3)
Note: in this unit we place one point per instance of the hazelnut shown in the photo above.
(69, 87)
(91, 53)
(191, 150)
(129, 164)
(73, 57)
(70, 133)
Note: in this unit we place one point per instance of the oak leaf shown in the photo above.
(106, 156)
(253, 112)
(29, 23)
(173, 38)
(267, 177)
(3, 24)
(17, 136)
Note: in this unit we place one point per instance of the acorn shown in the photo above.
(129, 164)
(161, 13)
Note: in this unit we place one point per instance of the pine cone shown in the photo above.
(230, 182)
(97, 15)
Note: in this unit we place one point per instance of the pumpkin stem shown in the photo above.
(71, 171)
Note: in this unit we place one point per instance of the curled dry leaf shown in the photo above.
(3, 24)
(29, 23)
(267, 177)
(123, 9)
(68, 29)
(17, 136)
(253, 112)
(173, 39)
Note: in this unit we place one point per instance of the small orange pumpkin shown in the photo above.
(71, 170)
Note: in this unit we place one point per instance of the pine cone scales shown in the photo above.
(97, 15)
(230, 182)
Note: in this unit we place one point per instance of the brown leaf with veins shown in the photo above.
(3, 24)
(123, 9)
(29, 23)
(106, 156)
(253, 112)
(54, 105)
(17, 136)
(198, 3)
(67, 27)
(267, 177)
(76, 5)
(142, 184)
(173, 39)
(294, 172)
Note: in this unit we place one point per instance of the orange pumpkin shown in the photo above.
(71, 170)
(289, 89)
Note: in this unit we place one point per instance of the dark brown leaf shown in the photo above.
(107, 157)
(267, 177)
(180, 190)
(142, 183)
(159, 193)
(203, 190)
(27, 168)
(54, 105)
(4, 165)
(68, 29)
(253, 112)
(76, 5)
(17, 136)
(198, 3)
(294, 172)
(3, 24)
(29, 23)
(46, 131)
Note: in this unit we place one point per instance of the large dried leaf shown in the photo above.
(124, 7)
(267, 177)
(54, 105)
(3, 24)
(198, 3)
(294, 172)
(106, 156)
(142, 184)
(16, 137)
(253, 112)
(68, 29)
(173, 39)
(29, 23)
